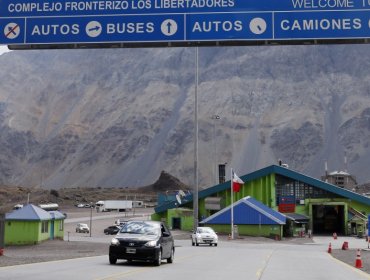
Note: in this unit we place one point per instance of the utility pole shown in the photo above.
(2, 233)
(91, 210)
(214, 157)
(196, 187)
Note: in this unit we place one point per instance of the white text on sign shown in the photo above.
(55, 29)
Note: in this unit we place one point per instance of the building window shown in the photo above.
(44, 226)
(288, 187)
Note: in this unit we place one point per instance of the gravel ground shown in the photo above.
(349, 257)
(51, 250)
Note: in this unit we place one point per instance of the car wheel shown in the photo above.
(170, 259)
(158, 261)
(196, 243)
(210, 244)
(112, 260)
(216, 244)
(192, 242)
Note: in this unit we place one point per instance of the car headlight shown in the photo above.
(114, 242)
(152, 243)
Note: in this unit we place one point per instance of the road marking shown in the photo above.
(123, 274)
(265, 262)
(113, 276)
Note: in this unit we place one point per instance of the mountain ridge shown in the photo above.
(119, 117)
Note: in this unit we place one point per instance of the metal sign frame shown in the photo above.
(29, 24)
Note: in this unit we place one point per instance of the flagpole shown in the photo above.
(232, 206)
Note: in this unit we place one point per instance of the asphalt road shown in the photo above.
(230, 260)
(236, 259)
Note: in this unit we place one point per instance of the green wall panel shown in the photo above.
(21, 232)
(185, 215)
(59, 229)
(29, 232)
(250, 230)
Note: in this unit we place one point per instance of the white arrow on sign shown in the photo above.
(93, 29)
(169, 27)
(258, 26)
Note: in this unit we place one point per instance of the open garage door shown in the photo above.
(328, 219)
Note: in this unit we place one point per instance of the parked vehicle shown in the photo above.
(114, 205)
(80, 205)
(18, 206)
(137, 204)
(82, 228)
(144, 241)
(121, 224)
(49, 206)
(204, 235)
(112, 230)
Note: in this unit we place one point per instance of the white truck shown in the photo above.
(114, 205)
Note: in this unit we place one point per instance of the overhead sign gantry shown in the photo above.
(181, 22)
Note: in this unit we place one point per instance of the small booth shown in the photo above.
(32, 225)
(297, 225)
(356, 223)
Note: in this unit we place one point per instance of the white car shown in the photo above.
(84, 228)
(204, 235)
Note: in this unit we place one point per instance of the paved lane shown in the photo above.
(230, 260)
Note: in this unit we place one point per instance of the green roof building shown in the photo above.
(310, 205)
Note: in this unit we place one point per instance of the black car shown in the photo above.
(112, 230)
(144, 241)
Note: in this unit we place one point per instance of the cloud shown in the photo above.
(3, 49)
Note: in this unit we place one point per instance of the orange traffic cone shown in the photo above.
(335, 235)
(358, 263)
(329, 249)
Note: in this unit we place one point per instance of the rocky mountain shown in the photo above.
(118, 117)
(165, 182)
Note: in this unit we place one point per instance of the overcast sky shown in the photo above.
(3, 49)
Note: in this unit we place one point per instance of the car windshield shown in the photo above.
(141, 228)
(205, 230)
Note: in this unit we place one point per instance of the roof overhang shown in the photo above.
(297, 218)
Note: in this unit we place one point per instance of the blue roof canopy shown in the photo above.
(247, 211)
(31, 212)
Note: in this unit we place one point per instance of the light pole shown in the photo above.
(195, 194)
(91, 210)
(214, 158)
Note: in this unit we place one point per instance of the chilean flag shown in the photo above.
(237, 183)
